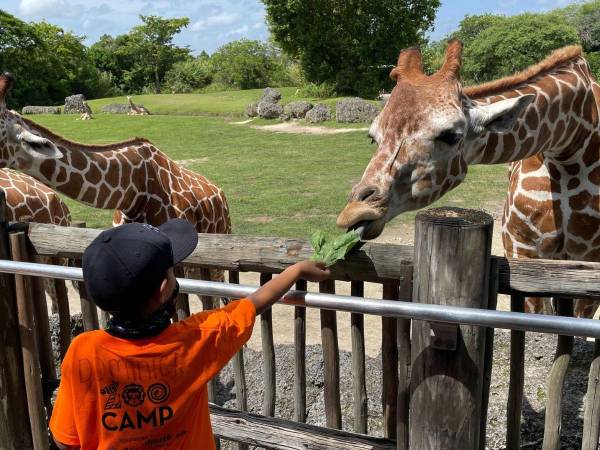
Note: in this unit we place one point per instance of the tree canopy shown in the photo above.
(350, 43)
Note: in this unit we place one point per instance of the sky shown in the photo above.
(216, 22)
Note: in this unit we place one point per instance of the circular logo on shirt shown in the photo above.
(133, 394)
(158, 392)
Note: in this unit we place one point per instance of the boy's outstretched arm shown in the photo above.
(272, 291)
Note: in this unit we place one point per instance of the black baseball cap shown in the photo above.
(124, 266)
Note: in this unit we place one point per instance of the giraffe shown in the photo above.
(135, 110)
(28, 200)
(133, 177)
(543, 121)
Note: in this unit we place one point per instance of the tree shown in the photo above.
(351, 43)
(504, 45)
(189, 75)
(153, 42)
(247, 64)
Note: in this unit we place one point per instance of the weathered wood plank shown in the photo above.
(268, 354)
(208, 304)
(591, 418)
(404, 367)
(452, 259)
(489, 354)
(359, 383)
(279, 434)
(64, 316)
(331, 361)
(89, 312)
(369, 262)
(556, 380)
(15, 431)
(514, 403)
(300, 358)
(31, 362)
(389, 364)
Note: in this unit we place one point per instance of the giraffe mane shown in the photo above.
(555, 59)
(87, 147)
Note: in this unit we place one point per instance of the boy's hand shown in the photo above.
(313, 271)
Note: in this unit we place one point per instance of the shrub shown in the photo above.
(188, 76)
(316, 90)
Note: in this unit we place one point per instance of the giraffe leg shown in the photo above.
(586, 308)
(556, 380)
(538, 305)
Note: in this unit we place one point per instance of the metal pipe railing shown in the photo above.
(449, 314)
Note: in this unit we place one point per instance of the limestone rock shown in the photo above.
(285, 117)
(115, 108)
(269, 110)
(271, 95)
(41, 110)
(351, 110)
(297, 110)
(75, 104)
(320, 113)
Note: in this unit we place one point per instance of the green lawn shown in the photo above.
(277, 184)
(227, 103)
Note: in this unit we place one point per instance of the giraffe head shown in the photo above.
(20, 145)
(423, 135)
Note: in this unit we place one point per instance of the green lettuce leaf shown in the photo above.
(329, 249)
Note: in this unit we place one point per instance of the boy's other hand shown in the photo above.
(313, 271)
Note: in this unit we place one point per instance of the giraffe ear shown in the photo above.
(37, 146)
(498, 117)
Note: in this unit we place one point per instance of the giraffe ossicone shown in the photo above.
(543, 120)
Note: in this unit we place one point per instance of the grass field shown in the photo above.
(227, 103)
(277, 184)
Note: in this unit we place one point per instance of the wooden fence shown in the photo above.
(449, 265)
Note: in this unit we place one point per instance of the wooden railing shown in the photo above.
(393, 267)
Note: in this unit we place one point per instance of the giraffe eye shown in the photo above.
(449, 137)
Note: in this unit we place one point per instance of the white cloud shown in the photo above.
(40, 7)
(223, 18)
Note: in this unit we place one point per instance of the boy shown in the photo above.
(141, 383)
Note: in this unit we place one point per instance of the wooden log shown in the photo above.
(208, 304)
(300, 358)
(64, 316)
(556, 380)
(279, 434)
(89, 312)
(404, 367)
(268, 354)
(182, 303)
(389, 365)
(239, 373)
(359, 383)
(452, 259)
(15, 431)
(368, 262)
(591, 418)
(514, 404)
(31, 362)
(489, 354)
(331, 361)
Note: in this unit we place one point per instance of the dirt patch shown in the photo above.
(187, 162)
(296, 128)
(259, 219)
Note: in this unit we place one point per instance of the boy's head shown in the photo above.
(125, 267)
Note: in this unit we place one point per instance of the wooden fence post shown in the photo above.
(331, 361)
(359, 383)
(403, 330)
(300, 358)
(389, 364)
(15, 431)
(89, 313)
(591, 418)
(452, 261)
(31, 363)
(268, 354)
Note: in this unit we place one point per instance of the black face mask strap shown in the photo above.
(145, 327)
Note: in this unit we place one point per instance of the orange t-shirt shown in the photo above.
(119, 394)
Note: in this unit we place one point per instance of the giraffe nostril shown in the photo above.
(366, 193)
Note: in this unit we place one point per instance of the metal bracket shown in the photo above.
(443, 336)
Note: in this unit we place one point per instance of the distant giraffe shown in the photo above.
(135, 110)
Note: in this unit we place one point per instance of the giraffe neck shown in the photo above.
(131, 102)
(562, 118)
(113, 176)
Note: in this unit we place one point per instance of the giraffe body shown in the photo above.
(543, 121)
(136, 110)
